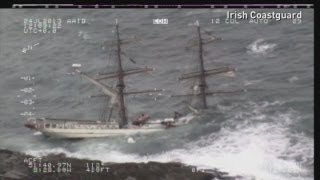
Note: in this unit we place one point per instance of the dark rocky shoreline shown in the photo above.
(15, 165)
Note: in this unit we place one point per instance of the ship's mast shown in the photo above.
(203, 72)
(203, 84)
(120, 85)
(117, 95)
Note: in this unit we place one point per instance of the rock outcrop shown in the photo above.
(15, 165)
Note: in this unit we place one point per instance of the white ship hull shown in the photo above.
(78, 129)
(95, 133)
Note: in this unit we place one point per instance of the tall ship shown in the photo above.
(118, 124)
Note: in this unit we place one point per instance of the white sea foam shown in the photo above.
(252, 150)
(260, 47)
(37, 133)
(251, 82)
(224, 108)
(293, 79)
(131, 140)
(83, 35)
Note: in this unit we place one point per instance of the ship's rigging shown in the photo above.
(117, 94)
(200, 75)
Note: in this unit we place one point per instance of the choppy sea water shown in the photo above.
(266, 133)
